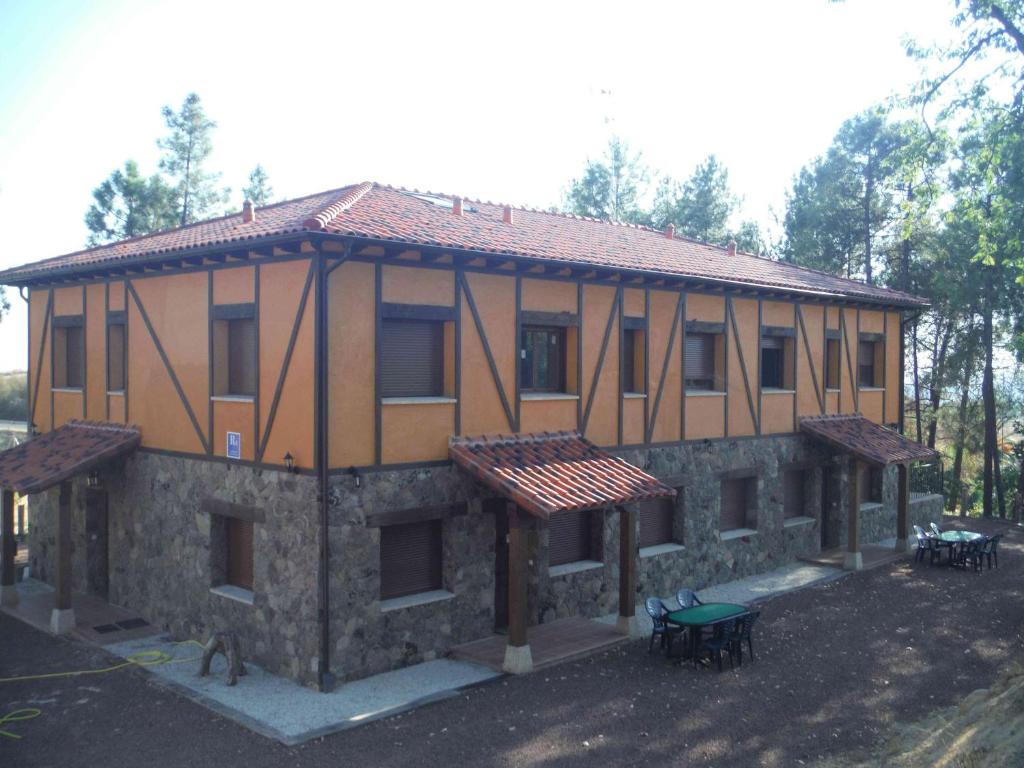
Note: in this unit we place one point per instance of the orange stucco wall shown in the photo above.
(177, 309)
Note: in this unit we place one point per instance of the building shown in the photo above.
(355, 423)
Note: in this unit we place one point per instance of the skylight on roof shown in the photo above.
(443, 202)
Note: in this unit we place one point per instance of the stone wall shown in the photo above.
(162, 566)
(163, 563)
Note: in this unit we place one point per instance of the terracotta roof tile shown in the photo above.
(868, 441)
(380, 212)
(70, 450)
(552, 472)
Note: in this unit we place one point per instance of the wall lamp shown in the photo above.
(289, 464)
(355, 473)
(93, 480)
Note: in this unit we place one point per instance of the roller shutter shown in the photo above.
(412, 358)
(793, 493)
(656, 521)
(699, 358)
(734, 504)
(410, 558)
(570, 535)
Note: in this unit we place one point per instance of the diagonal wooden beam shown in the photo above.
(612, 314)
(487, 351)
(39, 361)
(810, 360)
(286, 363)
(664, 368)
(168, 366)
(743, 363)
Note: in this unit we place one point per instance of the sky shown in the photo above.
(494, 101)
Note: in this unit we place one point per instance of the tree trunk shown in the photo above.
(961, 433)
(917, 381)
(938, 375)
(988, 396)
(869, 190)
(1018, 506)
(997, 473)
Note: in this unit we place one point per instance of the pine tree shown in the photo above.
(701, 206)
(186, 149)
(128, 205)
(258, 190)
(611, 188)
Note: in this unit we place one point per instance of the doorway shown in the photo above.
(97, 564)
(829, 510)
(497, 506)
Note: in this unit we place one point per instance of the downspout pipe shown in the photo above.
(325, 677)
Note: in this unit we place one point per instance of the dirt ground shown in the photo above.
(837, 666)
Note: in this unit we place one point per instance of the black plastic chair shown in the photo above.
(971, 554)
(687, 598)
(938, 544)
(723, 639)
(925, 543)
(991, 551)
(935, 529)
(744, 627)
(657, 611)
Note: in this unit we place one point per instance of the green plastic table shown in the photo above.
(700, 616)
(958, 537)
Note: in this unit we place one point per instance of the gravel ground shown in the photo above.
(836, 665)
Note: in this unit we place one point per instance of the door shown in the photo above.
(497, 506)
(96, 543)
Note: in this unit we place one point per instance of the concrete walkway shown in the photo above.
(290, 713)
(752, 589)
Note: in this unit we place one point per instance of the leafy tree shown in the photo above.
(5, 305)
(750, 239)
(699, 207)
(186, 149)
(13, 396)
(129, 205)
(258, 190)
(610, 188)
(843, 206)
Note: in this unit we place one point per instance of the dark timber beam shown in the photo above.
(902, 507)
(62, 618)
(853, 560)
(518, 657)
(627, 571)
(8, 589)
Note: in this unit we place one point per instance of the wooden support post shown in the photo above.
(627, 623)
(8, 589)
(518, 657)
(853, 561)
(902, 508)
(62, 619)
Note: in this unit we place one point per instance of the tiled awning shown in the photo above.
(552, 472)
(68, 451)
(863, 438)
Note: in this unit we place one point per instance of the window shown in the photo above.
(737, 504)
(776, 362)
(68, 353)
(571, 537)
(633, 361)
(793, 493)
(116, 360)
(412, 358)
(868, 364)
(870, 485)
(410, 558)
(239, 552)
(656, 522)
(234, 350)
(832, 364)
(542, 352)
(701, 361)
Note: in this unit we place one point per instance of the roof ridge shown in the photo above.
(352, 195)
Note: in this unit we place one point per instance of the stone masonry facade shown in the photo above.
(163, 559)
